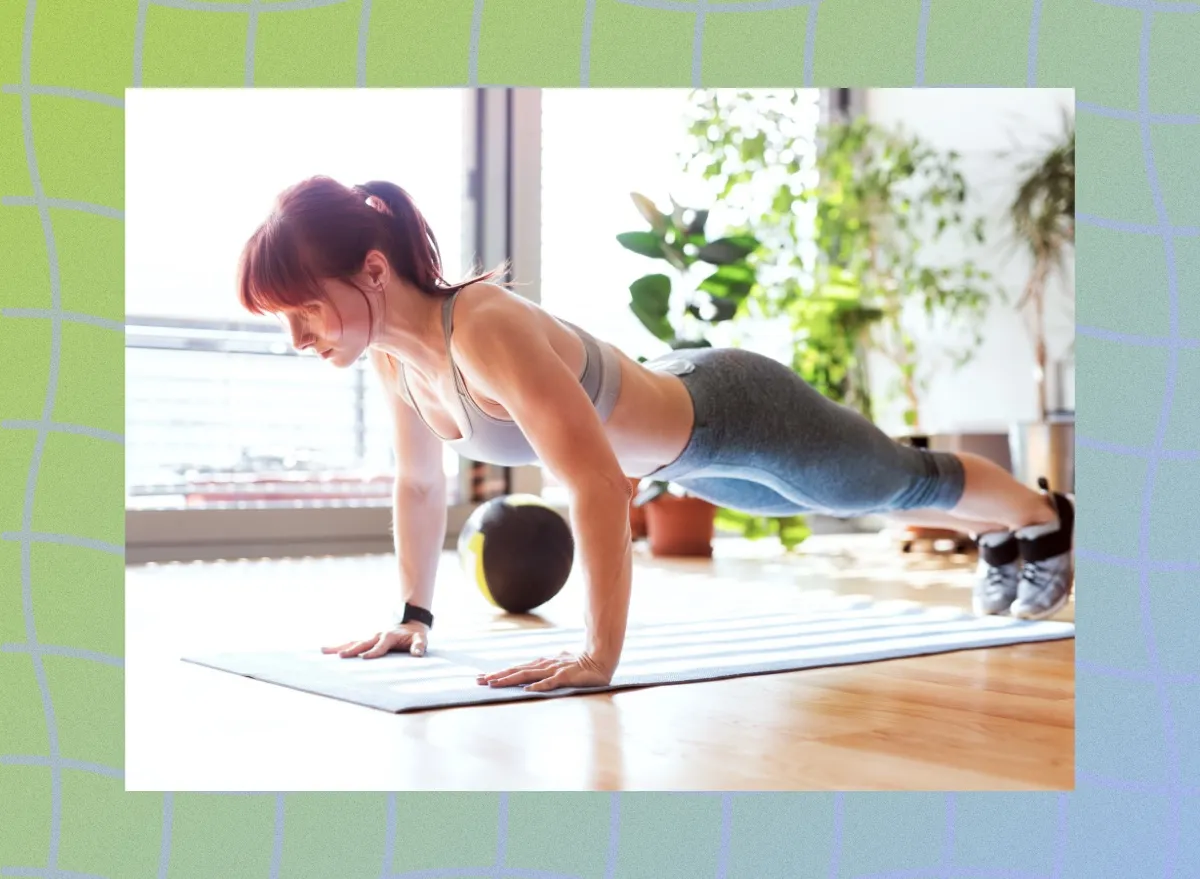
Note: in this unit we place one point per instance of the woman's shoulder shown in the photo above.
(485, 295)
(484, 304)
(488, 313)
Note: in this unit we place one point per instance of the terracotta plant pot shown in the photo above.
(637, 515)
(680, 526)
(925, 532)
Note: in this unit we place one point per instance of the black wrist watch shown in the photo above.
(412, 613)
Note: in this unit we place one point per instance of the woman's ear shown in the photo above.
(376, 269)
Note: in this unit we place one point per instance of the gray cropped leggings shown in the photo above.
(765, 442)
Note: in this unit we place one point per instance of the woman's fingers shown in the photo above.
(388, 642)
(496, 675)
(339, 648)
(522, 674)
(359, 647)
(418, 644)
(522, 677)
(416, 641)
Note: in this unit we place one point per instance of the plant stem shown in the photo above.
(1037, 299)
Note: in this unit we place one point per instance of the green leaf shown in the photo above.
(652, 214)
(660, 327)
(643, 243)
(724, 251)
(749, 526)
(729, 282)
(651, 299)
(678, 344)
(793, 531)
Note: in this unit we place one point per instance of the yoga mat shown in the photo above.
(655, 654)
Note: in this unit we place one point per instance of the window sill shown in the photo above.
(186, 535)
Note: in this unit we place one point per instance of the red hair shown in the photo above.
(320, 228)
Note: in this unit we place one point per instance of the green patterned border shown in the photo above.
(64, 66)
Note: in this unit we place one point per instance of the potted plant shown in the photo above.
(677, 524)
(1042, 214)
(678, 311)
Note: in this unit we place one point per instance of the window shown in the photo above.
(220, 410)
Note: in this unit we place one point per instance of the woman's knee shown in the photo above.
(935, 480)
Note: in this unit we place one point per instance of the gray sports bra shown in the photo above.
(499, 440)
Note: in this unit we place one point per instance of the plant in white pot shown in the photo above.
(1042, 214)
(679, 311)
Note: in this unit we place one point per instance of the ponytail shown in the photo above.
(414, 251)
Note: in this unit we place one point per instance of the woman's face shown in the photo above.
(337, 329)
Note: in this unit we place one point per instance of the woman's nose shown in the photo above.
(300, 339)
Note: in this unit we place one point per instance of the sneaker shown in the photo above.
(1048, 569)
(998, 575)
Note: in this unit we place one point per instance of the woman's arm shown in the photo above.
(418, 522)
(418, 534)
(418, 497)
(515, 364)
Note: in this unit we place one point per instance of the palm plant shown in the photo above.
(1043, 215)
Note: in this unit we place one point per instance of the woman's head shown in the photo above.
(327, 254)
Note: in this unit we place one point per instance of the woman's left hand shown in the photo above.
(567, 670)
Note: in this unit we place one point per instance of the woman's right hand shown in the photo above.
(411, 637)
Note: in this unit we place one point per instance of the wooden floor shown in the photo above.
(992, 719)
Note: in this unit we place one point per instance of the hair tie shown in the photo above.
(379, 204)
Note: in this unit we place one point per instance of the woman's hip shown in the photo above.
(757, 421)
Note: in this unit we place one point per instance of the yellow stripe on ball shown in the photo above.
(472, 559)
(525, 500)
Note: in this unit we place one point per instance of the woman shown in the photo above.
(474, 366)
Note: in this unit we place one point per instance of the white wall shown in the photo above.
(997, 387)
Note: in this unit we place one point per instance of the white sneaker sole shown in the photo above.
(1048, 612)
(982, 612)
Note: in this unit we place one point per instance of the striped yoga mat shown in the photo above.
(666, 653)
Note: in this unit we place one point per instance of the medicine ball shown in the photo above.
(518, 551)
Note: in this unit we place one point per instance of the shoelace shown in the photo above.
(1042, 576)
(996, 581)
